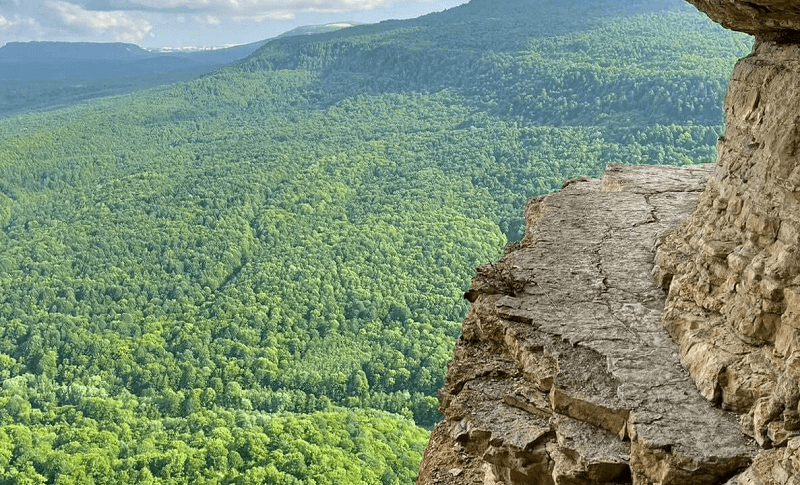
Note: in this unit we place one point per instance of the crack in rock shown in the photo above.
(597, 374)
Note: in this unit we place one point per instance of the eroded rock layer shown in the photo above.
(776, 20)
(563, 373)
(733, 268)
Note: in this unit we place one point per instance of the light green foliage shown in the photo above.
(256, 276)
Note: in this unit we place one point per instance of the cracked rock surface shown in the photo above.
(563, 373)
(733, 268)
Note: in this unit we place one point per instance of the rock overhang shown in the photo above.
(770, 20)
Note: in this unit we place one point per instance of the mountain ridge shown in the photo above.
(42, 75)
(99, 60)
(85, 51)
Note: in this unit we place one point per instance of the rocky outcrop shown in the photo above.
(563, 373)
(733, 268)
(573, 367)
(775, 20)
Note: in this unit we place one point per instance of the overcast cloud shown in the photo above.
(174, 22)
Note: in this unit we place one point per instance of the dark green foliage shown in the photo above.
(256, 276)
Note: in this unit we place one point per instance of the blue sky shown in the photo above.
(179, 23)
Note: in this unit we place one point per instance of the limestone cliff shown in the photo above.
(563, 372)
(587, 358)
(733, 268)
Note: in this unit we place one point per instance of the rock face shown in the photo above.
(573, 367)
(776, 20)
(733, 268)
(563, 373)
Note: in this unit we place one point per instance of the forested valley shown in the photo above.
(256, 276)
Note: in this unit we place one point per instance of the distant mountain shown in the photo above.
(38, 61)
(34, 52)
(319, 29)
(36, 75)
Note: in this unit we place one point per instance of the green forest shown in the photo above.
(257, 276)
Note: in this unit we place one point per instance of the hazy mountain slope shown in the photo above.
(258, 273)
(35, 75)
(318, 29)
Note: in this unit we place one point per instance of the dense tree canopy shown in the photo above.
(256, 276)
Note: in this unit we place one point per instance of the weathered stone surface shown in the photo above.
(563, 373)
(733, 268)
(768, 19)
(569, 317)
(586, 454)
(778, 466)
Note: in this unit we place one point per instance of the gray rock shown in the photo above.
(768, 19)
(564, 373)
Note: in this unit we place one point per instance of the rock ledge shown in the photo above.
(563, 373)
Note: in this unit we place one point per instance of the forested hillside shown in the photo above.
(257, 276)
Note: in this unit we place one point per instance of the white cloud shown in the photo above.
(17, 24)
(216, 11)
(260, 10)
(172, 20)
(209, 19)
(122, 25)
(278, 15)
